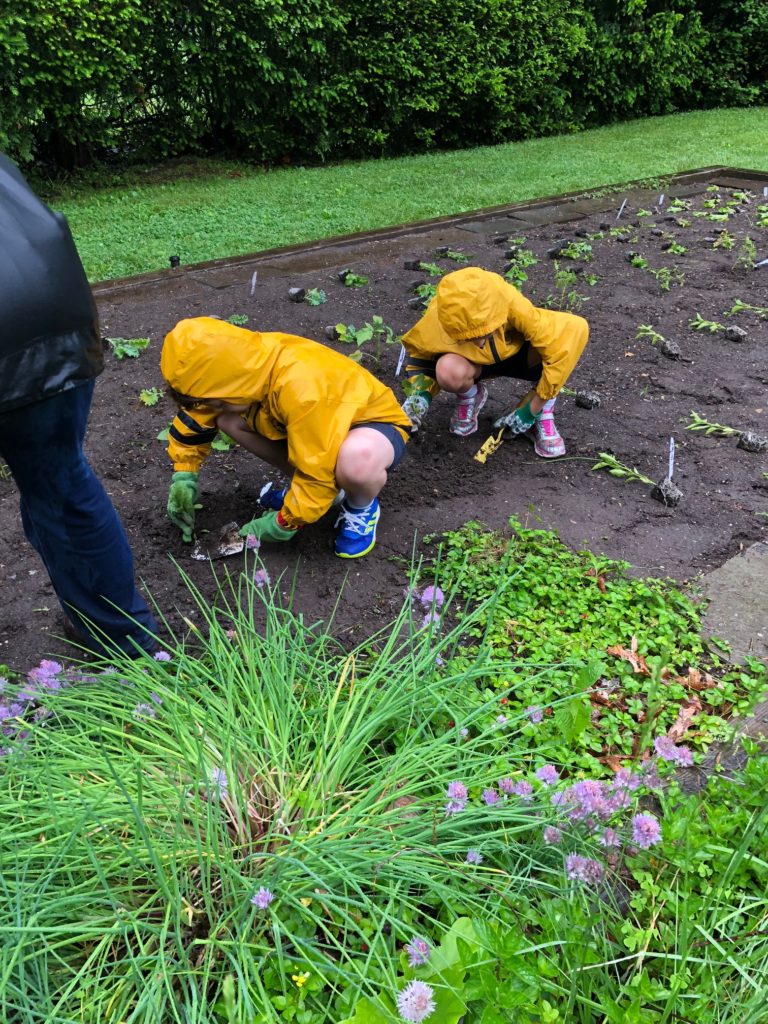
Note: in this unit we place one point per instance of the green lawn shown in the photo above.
(208, 209)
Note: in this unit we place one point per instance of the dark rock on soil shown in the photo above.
(670, 349)
(587, 399)
(442, 250)
(296, 294)
(667, 493)
(751, 442)
(331, 333)
(411, 265)
(734, 333)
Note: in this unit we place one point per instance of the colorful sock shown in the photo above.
(549, 405)
(468, 394)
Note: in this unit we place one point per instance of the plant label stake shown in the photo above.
(253, 281)
(666, 492)
(621, 209)
(490, 446)
(660, 201)
(400, 360)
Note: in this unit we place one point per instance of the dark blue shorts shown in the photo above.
(516, 366)
(393, 435)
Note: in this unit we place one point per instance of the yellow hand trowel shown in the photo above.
(491, 445)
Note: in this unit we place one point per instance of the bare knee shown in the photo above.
(455, 373)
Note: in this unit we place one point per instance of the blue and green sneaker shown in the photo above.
(357, 530)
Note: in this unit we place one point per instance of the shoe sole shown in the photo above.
(541, 452)
(358, 554)
(468, 433)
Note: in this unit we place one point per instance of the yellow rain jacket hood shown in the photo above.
(296, 389)
(471, 303)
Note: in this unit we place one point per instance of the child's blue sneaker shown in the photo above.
(272, 497)
(357, 533)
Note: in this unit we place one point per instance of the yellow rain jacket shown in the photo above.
(296, 389)
(472, 302)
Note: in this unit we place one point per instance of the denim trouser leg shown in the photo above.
(68, 517)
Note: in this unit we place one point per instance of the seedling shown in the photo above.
(700, 324)
(426, 292)
(375, 331)
(150, 396)
(456, 255)
(762, 216)
(566, 296)
(704, 426)
(609, 462)
(315, 297)
(432, 269)
(352, 280)
(676, 249)
(130, 347)
(637, 260)
(724, 240)
(646, 331)
(667, 277)
(514, 271)
(644, 213)
(590, 279)
(238, 319)
(745, 307)
(679, 205)
(747, 255)
(577, 251)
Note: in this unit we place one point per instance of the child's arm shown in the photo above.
(559, 338)
(189, 442)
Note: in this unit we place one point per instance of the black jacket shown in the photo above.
(49, 336)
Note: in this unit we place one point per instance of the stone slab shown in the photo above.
(738, 603)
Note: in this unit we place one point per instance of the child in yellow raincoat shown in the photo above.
(479, 326)
(298, 405)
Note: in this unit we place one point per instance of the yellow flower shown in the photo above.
(300, 979)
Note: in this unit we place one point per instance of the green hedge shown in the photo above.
(319, 79)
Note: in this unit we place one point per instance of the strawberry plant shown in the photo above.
(315, 296)
(150, 396)
(352, 280)
(127, 347)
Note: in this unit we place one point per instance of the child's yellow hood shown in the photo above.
(208, 358)
(471, 303)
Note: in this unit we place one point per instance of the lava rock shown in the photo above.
(342, 275)
(751, 442)
(331, 333)
(412, 265)
(296, 294)
(415, 284)
(581, 233)
(556, 250)
(442, 250)
(657, 232)
(670, 349)
(511, 252)
(500, 239)
(734, 333)
(667, 493)
(605, 226)
(416, 303)
(587, 399)
(175, 261)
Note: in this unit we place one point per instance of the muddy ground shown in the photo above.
(645, 398)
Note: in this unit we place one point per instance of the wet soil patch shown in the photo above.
(641, 393)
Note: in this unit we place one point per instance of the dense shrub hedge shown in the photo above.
(317, 79)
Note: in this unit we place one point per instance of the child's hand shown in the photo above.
(518, 421)
(182, 503)
(268, 527)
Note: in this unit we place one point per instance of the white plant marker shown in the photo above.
(400, 360)
(660, 201)
(765, 190)
(671, 468)
(253, 281)
(621, 209)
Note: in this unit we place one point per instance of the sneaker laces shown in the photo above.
(547, 424)
(354, 521)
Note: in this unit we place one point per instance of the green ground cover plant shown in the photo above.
(208, 209)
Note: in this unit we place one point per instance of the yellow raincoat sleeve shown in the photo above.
(315, 435)
(559, 338)
(189, 439)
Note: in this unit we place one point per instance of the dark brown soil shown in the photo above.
(645, 397)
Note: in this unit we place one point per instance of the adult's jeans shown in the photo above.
(69, 519)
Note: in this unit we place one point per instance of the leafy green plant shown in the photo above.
(375, 332)
(667, 277)
(150, 396)
(352, 280)
(636, 260)
(456, 255)
(222, 442)
(746, 307)
(127, 347)
(724, 240)
(515, 271)
(747, 255)
(577, 250)
(432, 269)
(315, 297)
(698, 323)
(676, 249)
(762, 215)
(566, 295)
(699, 423)
(644, 213)
(646, 331)
(238, 319)
(619, 469)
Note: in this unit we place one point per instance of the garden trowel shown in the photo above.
(491, 445)
(227, 542)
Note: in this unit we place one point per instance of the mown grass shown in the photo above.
(143, 216)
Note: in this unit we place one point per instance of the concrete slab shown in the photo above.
(738, 603)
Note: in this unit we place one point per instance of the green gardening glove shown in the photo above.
(268, 527)
(182, 503)
(518, 421)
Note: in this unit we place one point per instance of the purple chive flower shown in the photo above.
(416, 1002)
(625, 779)
(646, 831)
(144, 711)
(45, 672)
(610, 837)
(464, 733)
(156, 699)
(523, 789)
(501, 720)
(5, 713)
(262, 898)
(583, 869)
(261, 578)
(474, 857)
(547, 774)
(668, 750)
(507, 786)
(534, 714)
(432, 596)
(161, 656)
(552, 835)
(431, 618)
(418, 951)
(490, 797)
(252, 543)
(456, 790)
(218, 783)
